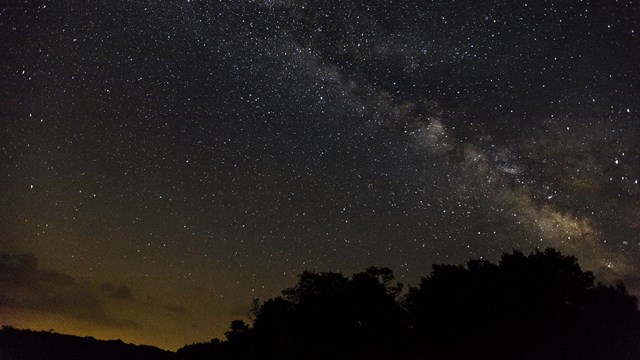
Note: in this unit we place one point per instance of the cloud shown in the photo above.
(122, 292)
(26, 286)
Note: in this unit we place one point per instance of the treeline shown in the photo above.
(537, 306)
(540, 306)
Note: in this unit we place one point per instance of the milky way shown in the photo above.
(165, 162)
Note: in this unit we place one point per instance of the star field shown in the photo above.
(173, 160)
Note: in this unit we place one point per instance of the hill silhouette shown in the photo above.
(536, 306)
(16, 344)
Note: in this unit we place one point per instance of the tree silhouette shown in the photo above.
(326, 315)
(237, 330)
(537, 306)
(526, 307)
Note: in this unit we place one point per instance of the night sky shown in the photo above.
(164, 162)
